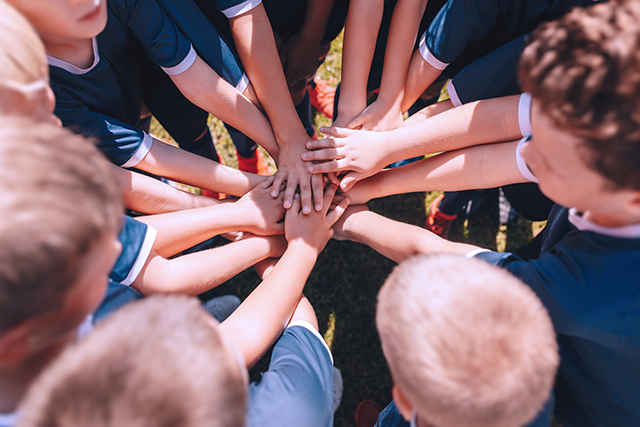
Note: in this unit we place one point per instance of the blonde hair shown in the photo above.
(23, 65)
(58, 197)
(156, 362)
(467, 343)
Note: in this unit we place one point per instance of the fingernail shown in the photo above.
(304, 156)
(311, 169)
(318, 207)
(296, 196)
(306, 210)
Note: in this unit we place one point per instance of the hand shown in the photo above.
(314, 230)
(340, 228)
(295, 172)
(262, 212)
(378, 117)
(360, 153)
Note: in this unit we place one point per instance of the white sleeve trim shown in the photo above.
(10, 419)
(183, 65)
(476, 252)
(243, 83)
(453, 95)
(428, 56)
(241, 8)
(141, 152)
(522, 165)
(314, 331)
(524, 114)
(143, 255)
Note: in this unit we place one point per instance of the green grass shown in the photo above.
(344, 284)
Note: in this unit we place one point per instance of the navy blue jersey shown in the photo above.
(137, 240)
(462, 22)
(103, 101)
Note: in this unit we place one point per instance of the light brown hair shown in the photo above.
(584, 70)
(467, 343)
(158, 362)
(57, 198)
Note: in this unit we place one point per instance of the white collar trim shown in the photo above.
(626, 232)
(55, 62)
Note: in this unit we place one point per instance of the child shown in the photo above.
(170, 337)
(467, 345)
(582, 74)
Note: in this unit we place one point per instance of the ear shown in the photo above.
(14, 343)
(402, 403)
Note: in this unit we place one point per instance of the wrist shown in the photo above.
(303, 249)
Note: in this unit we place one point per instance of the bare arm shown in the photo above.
(365, 153)
(198, 272)
(420, 76)
(257, 213)
(267, 310)
(386, 112)
(257, 49)
(360, 32)
(395, 240)
(206, 89)
(483, 166)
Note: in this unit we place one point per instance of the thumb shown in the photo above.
(349, 181)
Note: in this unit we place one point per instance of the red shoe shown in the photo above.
(255, 164)
(322, 96)
(367, 413)
(438, 222)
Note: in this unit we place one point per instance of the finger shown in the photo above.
(349, 181)
(295, 205)
(334, 131)
(333, 177)
(315, 144)
(332, 166)
(329, 193)
(267, 182)
(289, 193)
(317, 186)
(305, 196)
(334, 215)
(357, 122)
(278, 181)
(325, 154)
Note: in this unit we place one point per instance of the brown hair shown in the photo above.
(468, 344)
(57, 197)
(156, 362)
(584, 70)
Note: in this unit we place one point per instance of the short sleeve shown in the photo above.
(137, 241)
(233, 8)
(522, 165)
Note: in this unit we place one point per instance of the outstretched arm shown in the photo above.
(256, 46)
(267, 310)
(395, 240)
(366, 153)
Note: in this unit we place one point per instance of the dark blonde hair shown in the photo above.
(584, 70)
(156, 362)
(468, 344)
(57, 198)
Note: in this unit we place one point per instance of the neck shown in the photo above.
(78, 52)
(610, 219)
(15, 377)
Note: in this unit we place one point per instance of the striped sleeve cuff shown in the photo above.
(428, 56)
(522, 165)
(183, 65)
(524, 114)
(314, 331)
(241, 8)
(141, 152)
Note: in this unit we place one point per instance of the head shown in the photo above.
(64, 20)
(61, 212)
(584, 74)
(24, 73)
(161, 361)
(467, 343)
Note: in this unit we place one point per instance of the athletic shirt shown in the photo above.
(588, 279)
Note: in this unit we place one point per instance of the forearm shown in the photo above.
(198, 272)
(256, 46)
(484, 166)
(266, 311)
(182, 166)
(420, 76)
(480, 122)
(315, 20)
(144, 194)
(396, 240)
(205, 88)
(178, 231)
(402, 36)
(360, 33)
